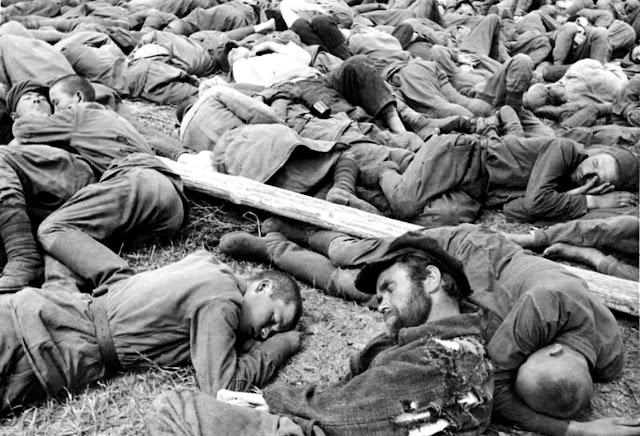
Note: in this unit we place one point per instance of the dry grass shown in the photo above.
(333, 329)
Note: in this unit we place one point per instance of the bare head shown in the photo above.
(272, 303)
(536, 96)
(555, 381)
(69, 91)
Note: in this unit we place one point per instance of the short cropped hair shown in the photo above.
(73, 83)
(285, 288)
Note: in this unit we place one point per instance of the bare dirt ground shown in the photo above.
(333, 329)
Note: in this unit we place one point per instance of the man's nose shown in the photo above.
(383, 305)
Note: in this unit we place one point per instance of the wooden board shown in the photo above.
(618, 294)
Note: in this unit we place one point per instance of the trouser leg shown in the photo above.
(198, 414)
(313, 268)
(618, 234)
(445, 163)
(90, 259)
(34, 179)
(361, 85)
(586, 116)
(508, 85)
(24, 265)
(306, 33)
(600, 49)
(165, 84)
(484, 39)
(135, 203)
(332, 39)
(617, 268)
(20, 386)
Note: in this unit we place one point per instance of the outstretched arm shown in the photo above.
(217, 363)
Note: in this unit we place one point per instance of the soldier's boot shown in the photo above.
(244, 245)
(24, 265)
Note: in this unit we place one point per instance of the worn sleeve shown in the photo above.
(544, 198)
(214, 356)
(53, 130)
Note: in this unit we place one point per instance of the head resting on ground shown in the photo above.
(555, 381)
(271, 304)
(414, 276)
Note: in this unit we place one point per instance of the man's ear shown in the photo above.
(265, 285)
(432, 282)
(80, 96)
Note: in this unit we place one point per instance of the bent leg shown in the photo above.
(618, 234)
(314, 269)
(139, 202)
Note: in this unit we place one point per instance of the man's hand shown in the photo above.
(606, 426)
(612, 200)
(204, 160)
(592, 188)
(468, 59)
(294, 338)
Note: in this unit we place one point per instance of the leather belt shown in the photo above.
(98, 309)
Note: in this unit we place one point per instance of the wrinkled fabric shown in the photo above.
(94, 132)
(138, 198)
(612, 235)
(198, 414)
(25, 58)
(429, 374)
(166, 316)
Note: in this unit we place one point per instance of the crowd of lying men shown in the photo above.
(427, 111)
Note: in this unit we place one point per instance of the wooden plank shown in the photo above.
(618, 294)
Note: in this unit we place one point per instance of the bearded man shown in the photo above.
(427, 372)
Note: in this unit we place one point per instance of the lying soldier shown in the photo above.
(57, 340)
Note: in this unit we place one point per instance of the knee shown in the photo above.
(301, 25)
(599, 34)
(522, 62)
(493, 20)
(321, 22)
(47, 232)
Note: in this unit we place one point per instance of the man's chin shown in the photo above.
(393, 325)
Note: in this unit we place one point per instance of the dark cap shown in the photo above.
(21, 88)
(224, 59)
(629, 167)
(423, 246)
